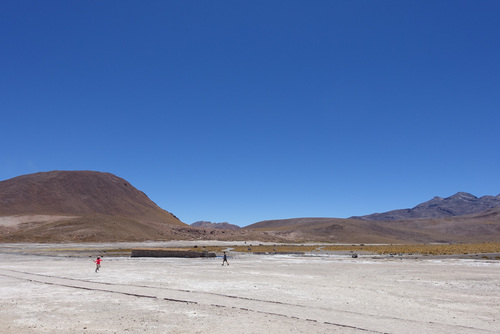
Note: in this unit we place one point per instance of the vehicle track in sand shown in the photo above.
(328, 316)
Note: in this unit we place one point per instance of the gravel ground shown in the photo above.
(254, 294)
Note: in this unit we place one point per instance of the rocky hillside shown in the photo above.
(86, 206)
(78, 193)
(474, 228)
(79, 205)
(460, 218)
(457, 205)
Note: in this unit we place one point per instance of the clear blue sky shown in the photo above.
(242, 111)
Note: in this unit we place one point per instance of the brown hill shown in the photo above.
(68, 206)
(78, 205)
(478, 227)
(220, 226)
(78, 193)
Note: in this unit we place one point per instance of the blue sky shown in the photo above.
(242, 111)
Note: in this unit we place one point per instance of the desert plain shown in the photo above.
(53, 288)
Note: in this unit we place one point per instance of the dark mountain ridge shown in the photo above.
(221, 226)
(460, 204)
(473, 228)
(461, 218)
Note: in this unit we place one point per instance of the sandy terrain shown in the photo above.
(254, 294)
(14, 221)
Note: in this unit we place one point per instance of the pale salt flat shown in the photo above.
(254, 294)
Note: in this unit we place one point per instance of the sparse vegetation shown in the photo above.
(431, 249)
(423, 249)
(489, 251)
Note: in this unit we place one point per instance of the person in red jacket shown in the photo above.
(97, 264)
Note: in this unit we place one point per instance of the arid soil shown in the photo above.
(46, 290)
(103, 228)
(90, 206)
(15, 221)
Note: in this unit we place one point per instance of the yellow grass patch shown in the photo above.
(437, 249)
(431, 249)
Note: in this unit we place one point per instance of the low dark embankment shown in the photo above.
(156, 252)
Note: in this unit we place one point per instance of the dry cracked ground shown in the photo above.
(254, 294)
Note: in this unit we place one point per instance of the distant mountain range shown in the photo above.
(88, 206)
(477, 227)
(222, 226)
(460, 204)
(456, 219)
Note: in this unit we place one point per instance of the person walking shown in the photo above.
(97, 264)
(225, 259)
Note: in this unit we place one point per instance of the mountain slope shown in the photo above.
(457, 205)
(79, 205)
(474, 228)
(481, 226)
(220, 226)
(78, 193)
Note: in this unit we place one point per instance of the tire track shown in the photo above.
(371, 323)
(94, 286)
